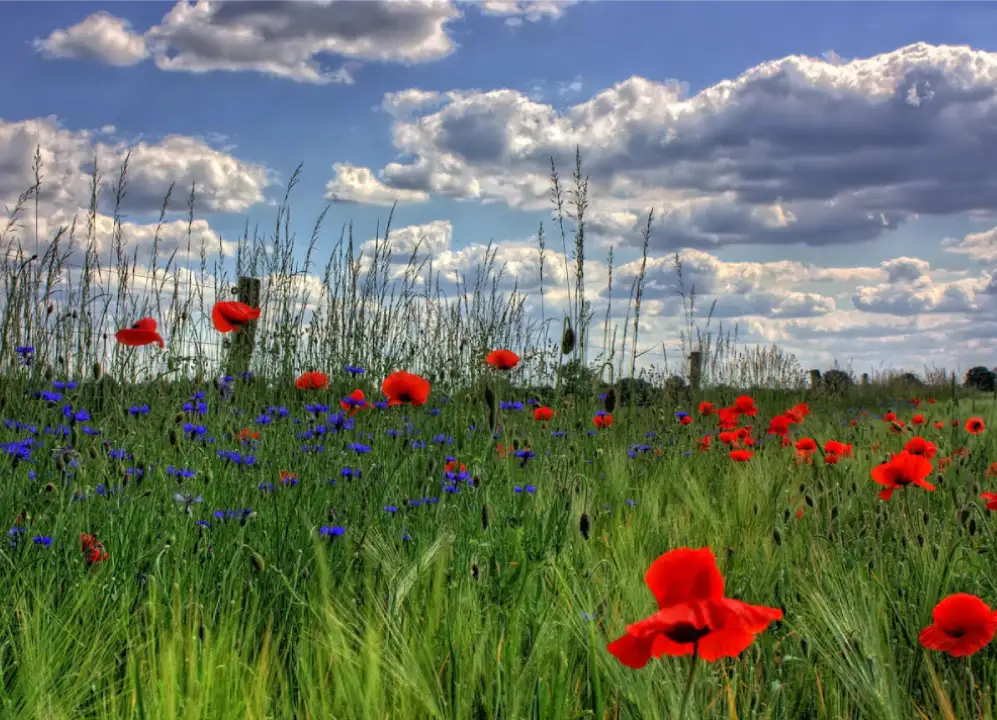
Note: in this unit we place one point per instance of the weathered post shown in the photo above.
(865, 379)
(814, 379)
(695, 369)
(243, 342)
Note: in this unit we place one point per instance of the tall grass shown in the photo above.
(490, 602)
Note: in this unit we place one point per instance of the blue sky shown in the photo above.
(822, 200)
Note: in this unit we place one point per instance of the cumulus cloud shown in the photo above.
(223, 182)
(291, 40)
(910, 290)
(413, 242)
(101, 37)
(353, 184)
(979, 246)
(798, 150)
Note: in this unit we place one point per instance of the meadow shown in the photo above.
(197, 534)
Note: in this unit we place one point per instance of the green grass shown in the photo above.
(488, 603)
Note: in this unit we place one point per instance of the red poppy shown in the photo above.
(962, 625)
(779, 425)
(915, 402)
(806, 446)
(728, 437)
(975, 425)
(728, 417)
(502, 359)
(745, 404)
(991, 499)
(939, 425)
(741, 455)
(405, 388)
(920, 446)
(918, 419)
(704, 443)
(246, 434)
(143, 332)
(831, 459)
(602, 420)
(706, 408)
(834, 447)
(542, 414)
(903, 469)
(353, 402)
(312, 381)
(93, 549)
(693, 617)
(686, 420)
(889, 417)
(931, 401)
(229, 316)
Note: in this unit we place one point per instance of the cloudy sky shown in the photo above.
(825, 170)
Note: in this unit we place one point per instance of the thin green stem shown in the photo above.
(688, 682)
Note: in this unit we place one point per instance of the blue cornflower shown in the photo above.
(354, 370)
(331, 531)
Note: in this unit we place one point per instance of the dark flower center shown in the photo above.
(684, 633)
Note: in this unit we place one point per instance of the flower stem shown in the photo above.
(688, 682)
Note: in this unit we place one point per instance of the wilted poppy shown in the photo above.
(143, 332)
(405, 388)
(902, 470)
(962, 625)
(312, 381)
(693, 617)
(93, 549)
(231, 315)
(502, 359)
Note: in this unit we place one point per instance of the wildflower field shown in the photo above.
(390, 529)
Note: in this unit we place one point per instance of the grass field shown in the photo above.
(271, 555)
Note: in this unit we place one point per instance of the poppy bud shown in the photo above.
(809, 500)
(583, 526)
(834, 513)
(756, 508)
(174, 439)
(484, 517)
(567, 340)
(49, 487)
(924, 517)
(610, 402)
(964, 515)
(92, 452)
(474, 572)
(475, 481)
(777, 536)
(920, 540)
(259, 565)
(50, 309)
(48, 372)
(785, 515)
(972, 526)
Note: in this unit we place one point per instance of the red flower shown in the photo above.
(502, 359)
(143, 332)
(975, 425)
(693, 617)
(706, 408)
(991, 499)
(353, 402)
(939, 425)
(543, 414)
(602, 420)
(229, 316)
(704, 443)
(920, 446)
(918, 419)
(889, 417)
(686, 420)
(246, 434)
(931, 401)
(833, 447)
(312, 381)
(741, 455)
(903, 469)
(727, 418)
(93, 549)
(405, 388)
(779, 425)
(806, 446)
(831, 459)
(745, 404)
(727, 437)
(962, 625)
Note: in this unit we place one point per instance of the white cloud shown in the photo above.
(798, 150)
(101, 37)
(224, 183)
(910, 290)
(358, 184)
(515, 11)
(414, 241)
(979, 246)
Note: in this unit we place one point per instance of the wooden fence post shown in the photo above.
(243, 342)
(865, 379)
(695, 369)
(814, 379)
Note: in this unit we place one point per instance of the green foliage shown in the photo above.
(981, 378)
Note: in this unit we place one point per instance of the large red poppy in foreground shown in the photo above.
(229, 316)
(143, 332)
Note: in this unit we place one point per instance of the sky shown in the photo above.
(826, 171)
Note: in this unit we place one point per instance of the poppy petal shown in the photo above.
(727, 642)
(632, 651)
(138, 338)
(683, 575)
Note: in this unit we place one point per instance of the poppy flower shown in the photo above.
(229, 316)
(831, 459)
(353, 402)
(835, 447)
(727, 437)
(903, 469)
(741, 455)
(975, 425)
(706, 408)
(93, 549)
(920, 446)
(405, 388)
(312, 381)
(991, 499)
(806, 446)
(143, 332)
(602, 420)
(543, 414)
(889, 417)
(693, 617)
(962, 625)
(745, 405)
(502, 359)
(779, 425)
(918, 419)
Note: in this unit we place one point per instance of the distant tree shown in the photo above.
(911, 380)
(981, 378)
(836, 381)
